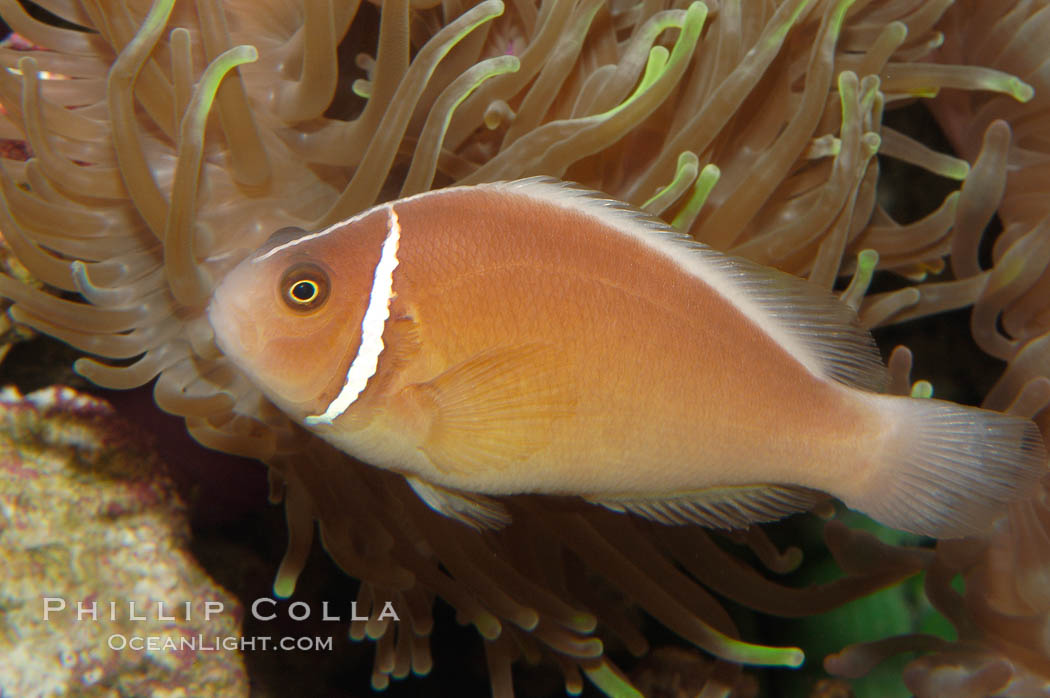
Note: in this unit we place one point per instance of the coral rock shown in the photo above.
(88, 516)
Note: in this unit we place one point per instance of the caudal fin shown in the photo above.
(949, 470)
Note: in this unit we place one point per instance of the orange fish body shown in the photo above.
(533, 337)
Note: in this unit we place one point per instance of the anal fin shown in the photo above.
(475, 510)
(727, 507)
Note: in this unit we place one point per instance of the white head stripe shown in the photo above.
(366, 362)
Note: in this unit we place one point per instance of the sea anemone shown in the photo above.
(1001, 614)
(168, 141)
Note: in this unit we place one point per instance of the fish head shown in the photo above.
(290, 314)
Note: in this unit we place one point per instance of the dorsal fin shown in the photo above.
(812, 324)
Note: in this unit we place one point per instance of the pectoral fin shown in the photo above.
(475, 510)
(729, 507)
(494, 410)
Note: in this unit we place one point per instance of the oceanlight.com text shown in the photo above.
(216, 643)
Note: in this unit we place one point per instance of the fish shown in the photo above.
(537, 337)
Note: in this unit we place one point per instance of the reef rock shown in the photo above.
(98, 593)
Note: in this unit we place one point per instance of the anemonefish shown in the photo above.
(535, 337)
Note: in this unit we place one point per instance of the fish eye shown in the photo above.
(304, 287)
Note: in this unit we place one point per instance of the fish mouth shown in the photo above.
(235, 334)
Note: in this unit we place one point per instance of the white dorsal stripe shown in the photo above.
(300, 240)
(319, 234)
(704, 267)
(813, 326)
(365, 364)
